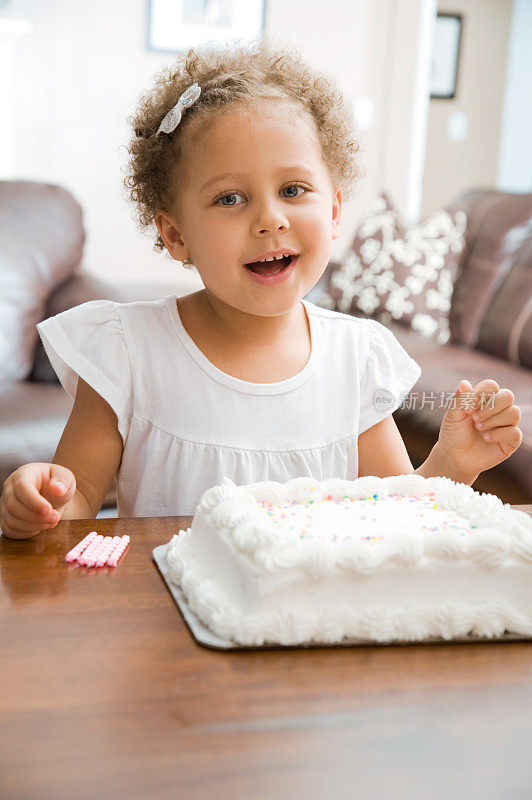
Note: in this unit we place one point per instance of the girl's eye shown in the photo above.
(228, 197)
(294, 186)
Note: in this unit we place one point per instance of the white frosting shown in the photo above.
(379, 559)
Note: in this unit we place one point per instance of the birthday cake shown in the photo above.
(403, 558)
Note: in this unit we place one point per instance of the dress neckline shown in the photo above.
(246, 387)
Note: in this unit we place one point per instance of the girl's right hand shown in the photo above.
(34, 499)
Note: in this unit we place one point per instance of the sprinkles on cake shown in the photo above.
(299, 518)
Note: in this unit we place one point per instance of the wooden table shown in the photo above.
(104, 694)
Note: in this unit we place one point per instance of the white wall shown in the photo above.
(463, 157)
(82, 68)
(404, 101)
(515, 155)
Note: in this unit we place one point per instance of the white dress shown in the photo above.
(186, 425)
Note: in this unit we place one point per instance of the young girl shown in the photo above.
(241, 157)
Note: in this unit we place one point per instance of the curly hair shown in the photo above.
(229, 74)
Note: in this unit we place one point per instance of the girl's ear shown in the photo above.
(171, 236)
(336, 214)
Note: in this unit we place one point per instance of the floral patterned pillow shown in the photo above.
(394, 272)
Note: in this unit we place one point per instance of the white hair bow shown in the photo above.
(173, 118)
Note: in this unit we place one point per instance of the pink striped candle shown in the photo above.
(115, 556)
(121, 546)
(105, 551)
(95, 555)
(117, 544)
(80, 547)
(87, 557)
(98, 553)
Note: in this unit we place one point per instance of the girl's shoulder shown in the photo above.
(110, 330)
(343, 324)
(99, 310)
(132, 315)
(364, 334)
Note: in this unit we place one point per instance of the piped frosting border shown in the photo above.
(500, 531)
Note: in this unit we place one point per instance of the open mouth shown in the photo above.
(270, 267)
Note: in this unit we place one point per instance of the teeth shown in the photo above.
(275, 258)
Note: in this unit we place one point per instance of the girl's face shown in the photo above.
(255, 185)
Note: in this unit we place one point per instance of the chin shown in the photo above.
(275, 306)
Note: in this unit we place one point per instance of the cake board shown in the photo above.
(205, 637)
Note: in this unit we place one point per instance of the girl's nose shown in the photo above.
(270, 217)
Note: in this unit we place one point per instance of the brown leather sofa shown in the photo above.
(491, 335)
(33, 412)
(42, 235)
(497, 269)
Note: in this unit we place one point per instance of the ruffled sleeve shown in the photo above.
(389, 375)
(88, 341)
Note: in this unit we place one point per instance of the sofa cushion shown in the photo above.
(506, 329)
(32, 418)
(396, 272)
(443, 368)
(41, 242)
(499, 230)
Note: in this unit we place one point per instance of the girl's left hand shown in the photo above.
(480, 428)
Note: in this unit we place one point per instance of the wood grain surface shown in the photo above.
(104, 694)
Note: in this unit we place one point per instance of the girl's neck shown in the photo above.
(256, 349)
(238, 327)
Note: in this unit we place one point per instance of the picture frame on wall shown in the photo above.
(176, 25)
(446, 39)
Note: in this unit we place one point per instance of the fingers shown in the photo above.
(17, 520)
(486, 399)
(24, 511)
(58, 485)
(24, 483)
(508, 438)
(488, 386)
(14, 528)
(491, 402)
(487, 420)
(463, 401)
(25, 514)
(495, 415)
(485, 387)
